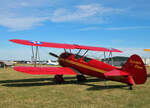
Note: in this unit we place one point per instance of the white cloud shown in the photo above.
(91, 12)
(128, 28)
(27, 3)
(90, 28)
(21, 23)
(21, 15)
(115, 28)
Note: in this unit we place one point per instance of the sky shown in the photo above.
(124, 25)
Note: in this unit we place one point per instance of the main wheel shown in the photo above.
(81, 77)
(59, 79)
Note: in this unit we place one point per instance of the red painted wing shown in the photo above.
(97, 48)
(42, 44)
(45, 70)
(60, 45)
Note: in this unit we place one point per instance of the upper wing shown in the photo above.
(42, 44)
(60, 45)
(46, 70)
(97, 48)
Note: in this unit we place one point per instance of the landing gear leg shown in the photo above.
(59, 79)
(81, 78)
(130, 87)
(105, 83)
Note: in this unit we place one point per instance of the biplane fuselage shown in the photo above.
(89, 66)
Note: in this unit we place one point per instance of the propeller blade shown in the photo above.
(54, 55)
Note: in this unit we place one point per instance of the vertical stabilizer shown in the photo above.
(136, 68)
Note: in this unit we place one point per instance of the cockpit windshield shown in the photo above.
(86, 59)
(77, 56)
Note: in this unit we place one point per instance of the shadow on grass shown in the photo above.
(45, 79)
(32, 80)
(148, 75)
(100, 87)
(25, 80)
(49, 81)
(35, 81)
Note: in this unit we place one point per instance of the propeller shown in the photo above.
(54, 55)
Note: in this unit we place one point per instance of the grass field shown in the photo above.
(18, 90)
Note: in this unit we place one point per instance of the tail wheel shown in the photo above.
(81, 77)
(59, 79)
(130, 87)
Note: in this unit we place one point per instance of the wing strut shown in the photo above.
(104, 56)
(70, 50)
(85, 52)
(32, 58)
(110, 58)
(78, 52)
(35, 55)
(112, 61)
(65, 50)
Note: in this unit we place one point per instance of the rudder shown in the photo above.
(136, 68)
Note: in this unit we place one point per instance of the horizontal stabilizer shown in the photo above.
(116, 72)
(45, 70)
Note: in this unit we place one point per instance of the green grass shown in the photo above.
(18, 90)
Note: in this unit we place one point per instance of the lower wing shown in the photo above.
(45, 70)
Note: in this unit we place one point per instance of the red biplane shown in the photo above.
(132, 72)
